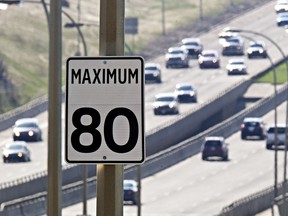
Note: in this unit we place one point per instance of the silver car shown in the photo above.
(165, 103)
(16, 151)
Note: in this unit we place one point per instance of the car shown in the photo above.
(166, 103)
(253, 127)
(214, 146)
(224, 35)
(152, 72)
(130, 188)
(236, 66)
(177, 57)
(282, 19)
(281, 6)
(193, 45)
(209, 59)
(271, 132)
(186, 92)
(256, 49)
(27, 129)
(16, 151)
(233, 46)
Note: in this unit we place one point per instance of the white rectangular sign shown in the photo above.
(105, 110)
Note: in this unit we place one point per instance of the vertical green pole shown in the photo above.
(110, 177)
(54, 108)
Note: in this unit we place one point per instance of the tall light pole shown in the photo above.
(201, 9)
(163, 16)
(276, 132)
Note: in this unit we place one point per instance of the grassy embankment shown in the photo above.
(281, 75)
(24, 36)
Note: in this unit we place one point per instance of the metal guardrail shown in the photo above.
(155, 163)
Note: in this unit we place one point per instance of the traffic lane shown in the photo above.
(38, 150)
(204, 187)
(211, 41)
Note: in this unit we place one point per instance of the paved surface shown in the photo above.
(268, 212)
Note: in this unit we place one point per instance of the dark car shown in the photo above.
(186, 92)
(214, 146)
(177, 57)
(193, 45)
(253, 127)
(16, 151)
(130, 191)
(257, 49)
(27, 129)
(282, 19)
(233, 46)
(209, 59)
(165, 103)
(152, 72)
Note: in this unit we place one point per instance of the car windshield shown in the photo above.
(176, 52)
(209, 55)
(237, 63)
(191, 43)
(251, 124)
(185, 88)
(27, 125)
(256, 45)
(128, 185)
(168, 99)
(151, 68)
(15, 147)
(279, 130)
(212, 143)
(233, 40)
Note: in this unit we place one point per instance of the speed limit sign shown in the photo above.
(105, 110)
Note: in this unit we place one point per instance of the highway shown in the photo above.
(209, 83)
(202, 188)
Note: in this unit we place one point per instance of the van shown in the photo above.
(281, 131)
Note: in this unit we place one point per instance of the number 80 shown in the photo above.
(108, 130)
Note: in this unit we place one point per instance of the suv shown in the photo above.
(214, 146)
(177, 57)
(251, 127)
(193, 45)
(233, 46)
(281, 130)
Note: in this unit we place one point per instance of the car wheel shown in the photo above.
(243, 137)
(225, 158)
(204, 157)
(155, 112)
(262, 137)
(268, 146)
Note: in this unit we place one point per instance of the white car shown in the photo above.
(209, 59)
(236, 66)
(281, 6)
(166, 103)
(281, 131)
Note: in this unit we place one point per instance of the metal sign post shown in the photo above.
(111, 42)
(54, 120)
